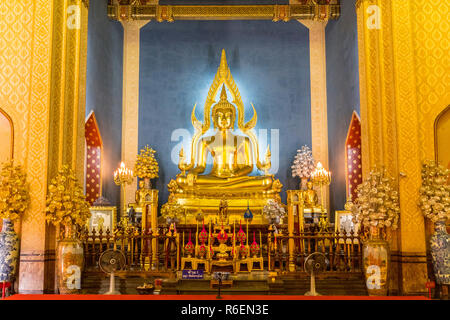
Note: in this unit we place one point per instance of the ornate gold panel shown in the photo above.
(430, 28)
(309, 11)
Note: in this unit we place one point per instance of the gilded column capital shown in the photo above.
(133, 24)
(314, 24)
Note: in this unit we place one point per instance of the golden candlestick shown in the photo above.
(234, 238)
(122, 177)
(196, 237)
(321, 177)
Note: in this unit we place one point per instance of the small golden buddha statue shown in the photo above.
(100, 223)
(139, 193)
(223, 209)
(222, 254)
(310, 197)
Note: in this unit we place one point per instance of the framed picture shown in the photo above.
(102, 218)
(344, 223)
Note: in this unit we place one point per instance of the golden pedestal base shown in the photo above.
(250, 262)
(235, 264)
(209, 203)
(195, 262)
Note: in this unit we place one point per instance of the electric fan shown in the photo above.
(110, 262)
(315, 263)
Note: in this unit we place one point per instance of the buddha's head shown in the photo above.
(223, 112)
(309, 185)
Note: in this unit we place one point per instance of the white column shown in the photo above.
(318, 70)
(130, 100)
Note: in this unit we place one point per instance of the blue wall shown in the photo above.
(269, 62)
(104, 89)
(342, 93)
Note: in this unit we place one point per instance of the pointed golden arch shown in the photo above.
(6, 130)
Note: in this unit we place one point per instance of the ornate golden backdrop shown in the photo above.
(404, 86)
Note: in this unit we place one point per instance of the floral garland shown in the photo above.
(66, 203)
(377, 204)
(146, 165)
(435, 192)
(14, 194)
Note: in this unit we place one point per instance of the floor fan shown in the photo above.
(110, 262)
(315, 263)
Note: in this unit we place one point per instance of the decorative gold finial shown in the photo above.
(223, 94)
(223, 63)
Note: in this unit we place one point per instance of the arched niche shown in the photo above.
(7, 134)
(94, 148)
(353, 157)
(442, 137)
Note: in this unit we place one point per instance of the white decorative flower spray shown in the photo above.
(303, 165)
(274, 212)
(377, 204)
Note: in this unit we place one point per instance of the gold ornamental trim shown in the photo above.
(275, 13)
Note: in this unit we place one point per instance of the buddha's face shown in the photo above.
(224, 119)
(309, 185)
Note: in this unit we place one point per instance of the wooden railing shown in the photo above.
(143, 252)
(288, 253)
(162, 252)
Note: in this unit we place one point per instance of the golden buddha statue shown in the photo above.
(310, 198)
(234, 156)
(100, 223)
(139, 195)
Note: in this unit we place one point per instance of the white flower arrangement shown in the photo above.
(304, 164)
(274, 212)
(377, 204)
(435, 192)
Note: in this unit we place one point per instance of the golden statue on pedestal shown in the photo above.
(234, 156)
(310, 198)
